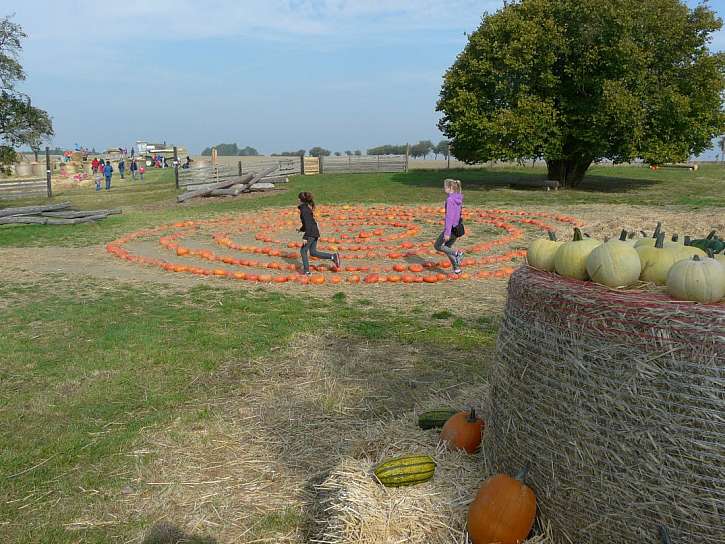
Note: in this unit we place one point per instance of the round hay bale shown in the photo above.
(617, 400)
(37, 169)
(23, 170)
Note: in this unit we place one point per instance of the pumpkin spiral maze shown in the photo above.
(617, 399)
(378, 244)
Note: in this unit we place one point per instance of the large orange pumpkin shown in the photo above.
(463, 431)
(503, 512)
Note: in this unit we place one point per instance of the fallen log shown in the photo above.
(231, 191)
(261, 187)
(37, 220)
(221, 185)
(79, 214)
(30, 210)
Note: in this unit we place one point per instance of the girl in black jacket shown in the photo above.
(312, 233)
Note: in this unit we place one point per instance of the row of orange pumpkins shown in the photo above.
(687, 271)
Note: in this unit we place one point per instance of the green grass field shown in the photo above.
(103, 385)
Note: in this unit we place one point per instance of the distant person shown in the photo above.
(122, 167)
(312, 234)
(451, 232)
(108, 174)
(99, 176)
(101, 164)
(94, 164)
(134, 168)
(141, 170)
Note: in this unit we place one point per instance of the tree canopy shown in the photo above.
(319, 152)
(21, 123)
(421, 149)
(298, 153)
(388, 150)
(231, 150)
(576, 81)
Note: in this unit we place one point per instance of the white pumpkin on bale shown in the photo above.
(699, 280)
(657, 260)
(615, 263)
(675, 242)
(571, 258)
(686, 251)
(649, 242)
(542, 251)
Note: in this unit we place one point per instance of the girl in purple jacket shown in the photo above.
(454, 205)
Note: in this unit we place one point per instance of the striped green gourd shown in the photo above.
(405, 470)
(435, 419)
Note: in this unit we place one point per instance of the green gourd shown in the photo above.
(405, 470)
(571, 258)
(435, 419)
(542, 251)
(656, 261)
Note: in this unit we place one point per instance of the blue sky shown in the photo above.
(276, 75)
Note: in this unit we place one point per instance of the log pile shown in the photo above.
(52, 214)
(234, 185)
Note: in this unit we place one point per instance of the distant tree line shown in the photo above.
(231, 150)
(420, 150)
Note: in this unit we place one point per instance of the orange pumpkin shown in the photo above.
(372, 278)
(220, 272)
(415, 268)
(399, 267)
(317, 280)
(393, 278)
(430, 279)
(354, 279)
(463, 431)
(503, 512)
(181, 251)
(264, 278)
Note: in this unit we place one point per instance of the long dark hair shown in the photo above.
(307, 198)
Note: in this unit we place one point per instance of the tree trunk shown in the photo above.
(568, 172)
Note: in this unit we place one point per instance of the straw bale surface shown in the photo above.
(356, 508)
(617, 400)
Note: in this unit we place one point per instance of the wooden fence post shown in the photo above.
(378, 163)
(240, 168)
(302, 165)
(47, 171)
(407, 155)
(319, 160)
(449, 160)
(176, 166)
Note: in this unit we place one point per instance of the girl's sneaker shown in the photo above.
(336, 260)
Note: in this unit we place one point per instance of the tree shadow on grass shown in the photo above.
(490, 179)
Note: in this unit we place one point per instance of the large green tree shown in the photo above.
(576, 81)
(21, 123)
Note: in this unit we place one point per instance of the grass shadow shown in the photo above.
(487, 179)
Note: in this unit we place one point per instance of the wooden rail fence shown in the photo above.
(26, 188)
(364, 164)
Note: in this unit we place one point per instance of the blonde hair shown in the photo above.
(452, 184)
